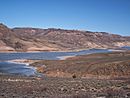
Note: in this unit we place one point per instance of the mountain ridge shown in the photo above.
(27, 39)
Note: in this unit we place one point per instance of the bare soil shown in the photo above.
(48, 87)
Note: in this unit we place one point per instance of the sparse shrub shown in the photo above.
(18, 45)
(74, 76)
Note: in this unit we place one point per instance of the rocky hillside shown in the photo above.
(7, 39)
(35, 39)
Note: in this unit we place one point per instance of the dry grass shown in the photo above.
(103, 65)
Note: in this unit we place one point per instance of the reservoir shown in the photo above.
(7, 67)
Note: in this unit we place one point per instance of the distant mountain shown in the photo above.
(35, 39)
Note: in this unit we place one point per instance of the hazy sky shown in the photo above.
(94, 15)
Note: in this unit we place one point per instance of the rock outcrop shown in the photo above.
(35, 39)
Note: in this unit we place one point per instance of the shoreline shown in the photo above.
(26, 64)
(75, 50)
(65, 57)
(60, 64)
(16, 61)
(21, 61)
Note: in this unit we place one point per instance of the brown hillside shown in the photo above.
(35, 39)
(100, 65)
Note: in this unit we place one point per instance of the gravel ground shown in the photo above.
(47, 87)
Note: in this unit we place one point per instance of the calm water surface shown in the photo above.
(47, 55)
(23, 69)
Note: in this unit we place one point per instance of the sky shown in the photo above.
(111, 16)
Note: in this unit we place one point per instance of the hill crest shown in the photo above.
(38, 39)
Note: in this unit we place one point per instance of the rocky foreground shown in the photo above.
(34, 87)
(101, 75)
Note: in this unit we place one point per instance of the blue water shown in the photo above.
(19, 69)
(47, 55)
(126, 47)
(22, 69)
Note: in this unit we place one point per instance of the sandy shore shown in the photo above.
(64, 57)
(75, 50)
(22, 61)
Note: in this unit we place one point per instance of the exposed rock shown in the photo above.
(31, 87)
(35, 39)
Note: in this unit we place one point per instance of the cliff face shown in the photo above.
(34, 39)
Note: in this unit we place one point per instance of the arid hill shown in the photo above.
(35, 39)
